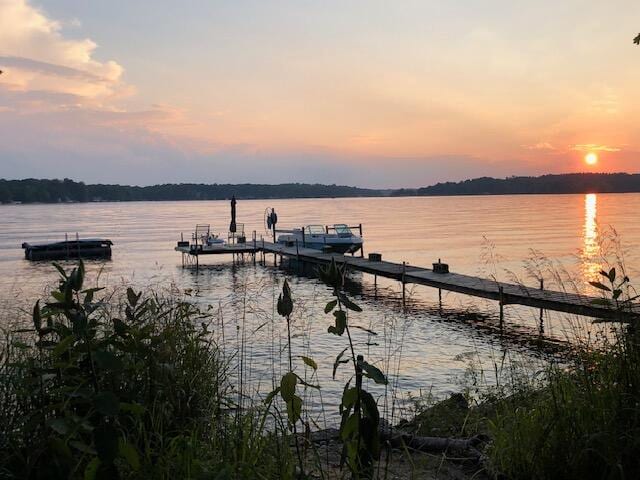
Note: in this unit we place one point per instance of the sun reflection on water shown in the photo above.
(591, 245)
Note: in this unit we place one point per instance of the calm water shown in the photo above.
(426, 349)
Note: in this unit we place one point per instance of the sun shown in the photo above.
(591, 158)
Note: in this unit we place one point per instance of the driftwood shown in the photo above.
(463, 447)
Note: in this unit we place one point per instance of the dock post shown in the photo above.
(197, 262)
(542, 309)
(404, 294)
(375, 286)
(297, 250)
(440, 299)
(362, 245)
(255, 239)
(501, 293)
(304, 241)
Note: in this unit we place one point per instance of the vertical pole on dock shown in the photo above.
(404, 294)
(375, 286)
(255, 240)
(501, 293)
(361, 245)
(440, 299)
(297, 250)
(304, 242)
(542, 309)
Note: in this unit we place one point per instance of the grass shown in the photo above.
(126, 387)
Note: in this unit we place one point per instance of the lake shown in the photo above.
(425, 348)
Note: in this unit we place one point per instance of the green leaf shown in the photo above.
(341, 323)
(348, 303)
(37, 319)
(370, 332)
(272, 394)
(132, 297)
(374, 373)
(91, 470)
(310, 362)
(134, 408)
(82, 447)
(330, 306)
(63, 345)
(60, 425)
(107, 360)
(369, 406)
(288, 386)
(105, 438)
(129, 453)
(107, 403)
(294, 409)
(285, 302)
(302, 382)
(612, 275)
(61, 449)
(600, 286)
(339, 360)
(120, 327)
(349, 397)
(616, 293)
(61, 271)
(350, 427)
(76, 278)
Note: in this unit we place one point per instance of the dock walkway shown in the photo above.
(504, 293)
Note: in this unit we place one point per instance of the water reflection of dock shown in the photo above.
(503, 293)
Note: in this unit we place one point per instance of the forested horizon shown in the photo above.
(60, 191)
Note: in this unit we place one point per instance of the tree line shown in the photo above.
(66, 190)
(58, 191)
(549, 184)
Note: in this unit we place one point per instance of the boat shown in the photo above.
(335, 238)
(203, 240)
(67, 249)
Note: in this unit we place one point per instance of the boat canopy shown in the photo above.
(342, 229)
(315, 230)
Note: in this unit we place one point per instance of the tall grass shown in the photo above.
(125, 387)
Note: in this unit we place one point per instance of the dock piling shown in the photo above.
(501, 299)
(404, 294)
(542, 309)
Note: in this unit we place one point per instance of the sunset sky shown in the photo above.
(368, 93)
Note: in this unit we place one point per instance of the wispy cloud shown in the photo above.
(593, 147)
(540, 146)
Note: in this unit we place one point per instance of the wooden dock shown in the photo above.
(504, 293)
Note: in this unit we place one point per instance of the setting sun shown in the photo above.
(591, 158)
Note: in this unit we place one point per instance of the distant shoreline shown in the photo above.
(42, 191)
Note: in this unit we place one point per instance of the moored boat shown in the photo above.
(337, 238)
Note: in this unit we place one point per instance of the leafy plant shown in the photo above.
(289, 380)
(360, 418)
(129, 387)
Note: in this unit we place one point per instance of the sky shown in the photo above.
(371, 93)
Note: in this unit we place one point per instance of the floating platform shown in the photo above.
(68, 249)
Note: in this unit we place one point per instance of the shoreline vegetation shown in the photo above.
(69, 191)
(134, 385)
